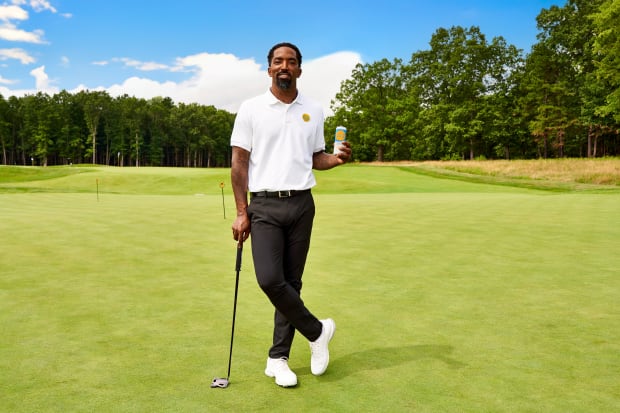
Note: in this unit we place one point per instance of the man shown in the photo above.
(276, 141)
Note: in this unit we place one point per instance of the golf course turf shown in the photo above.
(116, 290)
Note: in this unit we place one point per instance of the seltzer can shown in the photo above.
(339, 137)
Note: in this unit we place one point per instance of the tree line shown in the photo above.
(467, 97)
(463, 98)
(92, 127)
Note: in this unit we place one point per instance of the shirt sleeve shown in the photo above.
(319, 138)
(242, 130)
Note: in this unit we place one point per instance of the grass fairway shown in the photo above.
(449, 296)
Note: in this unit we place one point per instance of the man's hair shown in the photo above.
(285, 44)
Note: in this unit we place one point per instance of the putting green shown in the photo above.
(448, 296)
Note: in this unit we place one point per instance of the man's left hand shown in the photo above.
(344, 152)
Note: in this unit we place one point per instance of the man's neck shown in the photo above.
(285, 96)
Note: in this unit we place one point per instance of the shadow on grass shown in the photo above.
(386, 357)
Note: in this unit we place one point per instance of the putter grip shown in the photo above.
(239, 254)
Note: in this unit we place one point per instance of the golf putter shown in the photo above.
(221, 382)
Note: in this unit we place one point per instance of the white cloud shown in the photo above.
(42, 84)
(151, 66)
(17, 54)
(322, 77)
(41, 5)
(223, 80)
(4, 81)
(12, 13)
(10, 32)
(42, 81)
(64, 61)
(144, 66)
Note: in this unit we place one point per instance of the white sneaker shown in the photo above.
(319, 350)
(279, 369)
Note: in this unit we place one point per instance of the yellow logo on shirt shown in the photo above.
(305, 117)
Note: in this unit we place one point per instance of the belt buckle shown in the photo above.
(284, 194)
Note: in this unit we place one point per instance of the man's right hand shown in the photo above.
(241, 227)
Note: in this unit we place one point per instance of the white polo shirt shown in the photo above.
(281, 139)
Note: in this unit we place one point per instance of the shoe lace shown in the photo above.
(315, 347)
(281, 364)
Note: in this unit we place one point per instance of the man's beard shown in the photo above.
(284, 84)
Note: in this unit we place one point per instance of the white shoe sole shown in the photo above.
(271, 374)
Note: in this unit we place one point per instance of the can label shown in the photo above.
(339, 137)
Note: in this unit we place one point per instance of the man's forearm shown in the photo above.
(241, 198)
(322, 161)
(239, 179)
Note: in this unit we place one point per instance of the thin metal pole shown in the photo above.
(223, 205)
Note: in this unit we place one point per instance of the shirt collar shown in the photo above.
(274, 100)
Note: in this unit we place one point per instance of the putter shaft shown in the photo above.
(220, 382)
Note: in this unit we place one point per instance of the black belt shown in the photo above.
(279, 194)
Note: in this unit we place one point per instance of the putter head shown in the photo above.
(221, 383)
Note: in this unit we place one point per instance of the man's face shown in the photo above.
(284, 68)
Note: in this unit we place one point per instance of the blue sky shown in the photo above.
(214, 52)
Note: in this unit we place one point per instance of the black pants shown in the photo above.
(281, 229)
